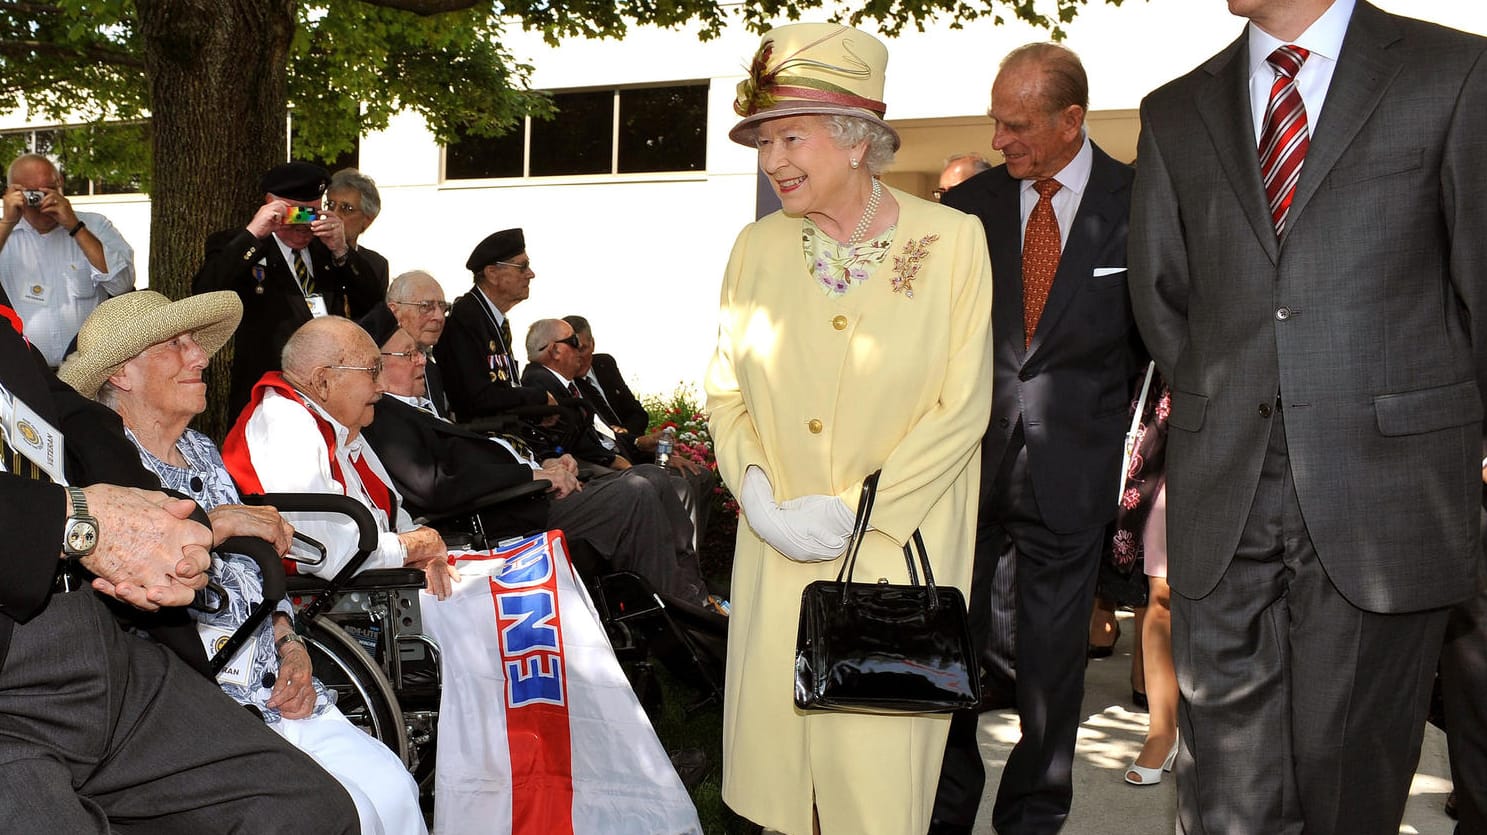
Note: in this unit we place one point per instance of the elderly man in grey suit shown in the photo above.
(1319, 306)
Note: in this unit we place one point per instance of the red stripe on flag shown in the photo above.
(539, 738)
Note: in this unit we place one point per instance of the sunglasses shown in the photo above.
(571, 342)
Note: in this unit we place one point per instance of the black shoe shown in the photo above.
(943, 828)
(691, 766)
(1451, 805)
(1097, 651)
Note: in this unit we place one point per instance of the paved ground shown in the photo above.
(1111, 736)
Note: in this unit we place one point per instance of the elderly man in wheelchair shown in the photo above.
(143, 356)
(301, 434)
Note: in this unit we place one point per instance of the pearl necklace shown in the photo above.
(867, 214)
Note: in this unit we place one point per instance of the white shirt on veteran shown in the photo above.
(289, 456)
(53, 286)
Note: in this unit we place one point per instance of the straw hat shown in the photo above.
(120, 328)
(813, 68)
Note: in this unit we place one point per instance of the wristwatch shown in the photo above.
(81, 534)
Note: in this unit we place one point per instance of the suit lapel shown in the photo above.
(1004, 241)
(1363, 73)
(1225, 109)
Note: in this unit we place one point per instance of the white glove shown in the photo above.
(813, 543)
(824, 522)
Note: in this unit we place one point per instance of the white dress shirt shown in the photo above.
(1323, 39)
(1072, 180)
(289, 455)
(54, 287)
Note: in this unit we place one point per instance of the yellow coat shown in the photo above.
(820, 391)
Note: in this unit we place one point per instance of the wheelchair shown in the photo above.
(366, 643)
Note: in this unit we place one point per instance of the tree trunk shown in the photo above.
(219, 97)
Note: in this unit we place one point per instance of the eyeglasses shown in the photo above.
(571, 342)
(427, 307)
(521, 267)
(375, 370)
(333, 206)
(413, 355)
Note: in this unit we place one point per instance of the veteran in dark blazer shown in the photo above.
(1061, 393)
(1319, 307)
(258, 262)
(477, 353)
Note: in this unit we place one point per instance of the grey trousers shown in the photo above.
(635, 520)
(1300, 712)
(101, 731)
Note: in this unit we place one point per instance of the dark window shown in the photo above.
(663, 129)
(578, 139)
(479, 157)
(659, 129)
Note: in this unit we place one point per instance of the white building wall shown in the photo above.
(642, 256)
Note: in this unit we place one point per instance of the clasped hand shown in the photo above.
(812, 528)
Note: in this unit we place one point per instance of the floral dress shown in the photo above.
(1122, 577)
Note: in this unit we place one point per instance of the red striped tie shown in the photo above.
(1284, 139)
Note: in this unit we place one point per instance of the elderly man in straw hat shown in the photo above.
(142, 355)
(864, 362)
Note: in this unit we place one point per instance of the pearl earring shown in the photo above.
(853, 163)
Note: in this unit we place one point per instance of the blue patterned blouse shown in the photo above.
(206, 480)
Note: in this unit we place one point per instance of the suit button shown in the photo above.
(1265, 410)
(814, 425)
(839, 322)
(1003, 422)
(1283, 313)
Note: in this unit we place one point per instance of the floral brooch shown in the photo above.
(906, 266)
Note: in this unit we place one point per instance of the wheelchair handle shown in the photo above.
(271, 569)
(366, 526)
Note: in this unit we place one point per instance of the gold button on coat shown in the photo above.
(839, 322)
(814, 425)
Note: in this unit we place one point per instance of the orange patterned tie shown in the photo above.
(1040, 253)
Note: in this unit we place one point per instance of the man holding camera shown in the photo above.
(56, 264)
(290, 264)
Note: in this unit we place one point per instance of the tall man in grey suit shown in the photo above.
(1319, 307)
(1066, 351)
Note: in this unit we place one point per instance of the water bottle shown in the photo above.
(665, 445)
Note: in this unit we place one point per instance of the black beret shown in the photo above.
(302, 181)
(380, 323)
(501, 246)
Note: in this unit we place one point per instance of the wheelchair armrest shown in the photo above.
(534, 487)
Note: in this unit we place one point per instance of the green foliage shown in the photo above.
(356, 62)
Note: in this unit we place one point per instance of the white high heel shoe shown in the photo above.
(1151, 776)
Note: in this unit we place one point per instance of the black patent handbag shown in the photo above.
(884, 647)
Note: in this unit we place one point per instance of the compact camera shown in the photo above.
(34, 197)
(301, 216)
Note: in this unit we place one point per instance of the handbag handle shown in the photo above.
(859, 533)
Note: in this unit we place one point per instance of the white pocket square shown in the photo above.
(1101, 272)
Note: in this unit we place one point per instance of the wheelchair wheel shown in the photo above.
(362, 691)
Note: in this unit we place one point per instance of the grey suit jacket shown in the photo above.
(1369, 316)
